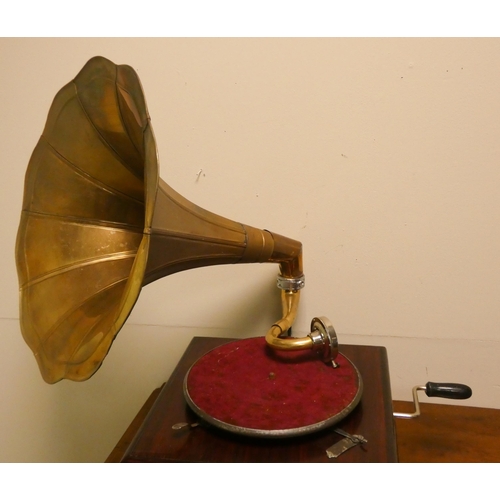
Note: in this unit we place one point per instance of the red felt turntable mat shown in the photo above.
(248, 388)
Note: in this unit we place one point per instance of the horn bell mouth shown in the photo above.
(83, 240)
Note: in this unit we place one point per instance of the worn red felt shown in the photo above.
(247, 384)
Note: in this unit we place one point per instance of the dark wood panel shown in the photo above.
(121, 447)
(442, 433)
(156, 441)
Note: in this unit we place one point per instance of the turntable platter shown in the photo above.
(247, 388)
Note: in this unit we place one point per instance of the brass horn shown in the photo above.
(97, 224)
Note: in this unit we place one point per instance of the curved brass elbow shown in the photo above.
(291, 280)
(265, 246)
(290, 302)
(322, 337)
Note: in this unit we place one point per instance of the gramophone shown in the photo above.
(98, 224)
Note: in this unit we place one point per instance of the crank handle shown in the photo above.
(437, 390)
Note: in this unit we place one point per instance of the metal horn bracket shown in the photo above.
(291, 284)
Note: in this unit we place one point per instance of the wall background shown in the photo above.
(380, 155)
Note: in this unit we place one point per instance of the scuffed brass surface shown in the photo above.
(81, 249)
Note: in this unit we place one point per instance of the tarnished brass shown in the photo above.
(98, 224)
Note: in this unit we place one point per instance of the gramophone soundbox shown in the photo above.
(98, 224)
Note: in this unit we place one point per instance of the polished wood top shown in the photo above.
(156, 441)
(442, 433)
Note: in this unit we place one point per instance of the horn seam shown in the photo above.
(81, 263)
(117, 86)
(68, 219)
(75, 350)
(86, 175)
(174, 263)
(106, 142)
(201, 216)
(182, 236)
(54, 327)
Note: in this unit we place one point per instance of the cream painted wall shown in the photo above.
(380, 155)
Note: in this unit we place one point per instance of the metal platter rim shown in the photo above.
(275, 433)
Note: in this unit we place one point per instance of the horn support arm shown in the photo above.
(288, 253)
(322, 337)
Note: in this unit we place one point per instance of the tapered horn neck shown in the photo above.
(185, 236)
